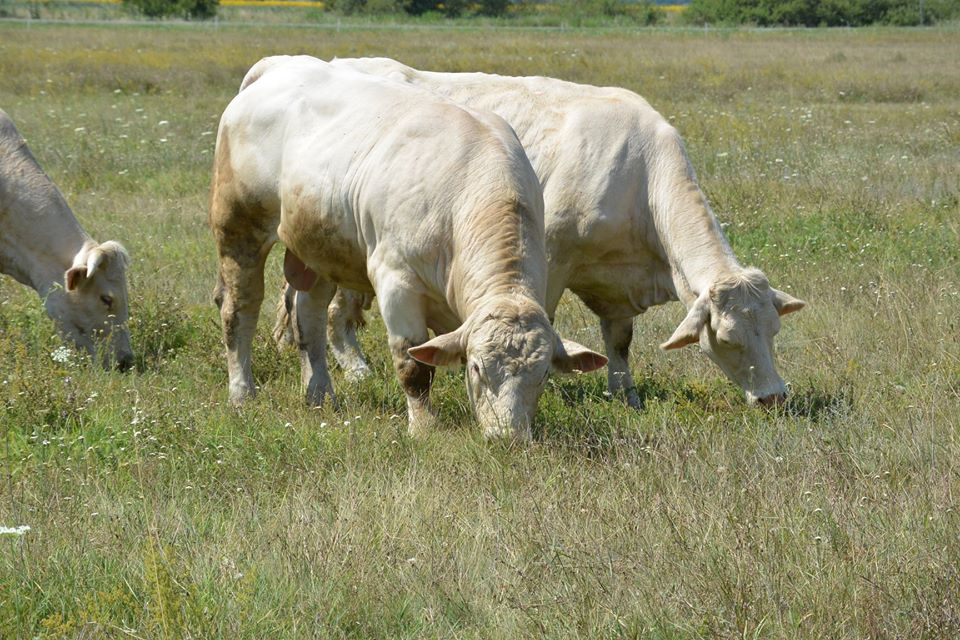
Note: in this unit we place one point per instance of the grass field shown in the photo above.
(157, 511)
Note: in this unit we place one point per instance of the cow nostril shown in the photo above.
(773, 400)
(125, 364)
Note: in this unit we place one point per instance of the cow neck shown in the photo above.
(50, 252)
(501, 256)
(476, 295)
(690, 238)
(46, 234)
(51, 274)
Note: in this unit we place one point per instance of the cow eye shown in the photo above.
(474, 369)
(727, 343)
(107, 300)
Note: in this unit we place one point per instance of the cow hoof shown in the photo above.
(318, 397)
(240, 393)
(284, 341)
(421, 423)
(357, 373)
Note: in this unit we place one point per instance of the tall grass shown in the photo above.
(157, 511)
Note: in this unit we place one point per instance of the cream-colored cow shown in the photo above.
(83, 283)
(385, 188)
(627, 226)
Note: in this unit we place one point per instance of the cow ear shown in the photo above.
(689, 330)
(571, 356)
(784, 303)
(442, 351)
(74, 277)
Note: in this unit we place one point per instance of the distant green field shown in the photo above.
(157, 511)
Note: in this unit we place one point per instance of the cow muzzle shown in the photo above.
(124, 362)
(505, 425)
(772, 401)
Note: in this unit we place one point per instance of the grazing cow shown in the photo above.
(387, 189)
(83, 284)
(627, 226)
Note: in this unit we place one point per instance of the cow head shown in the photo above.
(509, 348)
(91, 309)
(735, 321)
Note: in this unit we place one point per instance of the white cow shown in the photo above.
(83, 284)
(385, 188)
(627, 226)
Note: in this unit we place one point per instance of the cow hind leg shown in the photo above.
(283, 326)
(345, 314)
(309, 322)
(240, 295)
(244, 237)
(617, 335)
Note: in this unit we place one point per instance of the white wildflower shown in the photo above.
(61, 354)
(14, 531)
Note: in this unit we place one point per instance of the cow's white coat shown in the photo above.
(385, 188)
(627, 225)
(83, 283)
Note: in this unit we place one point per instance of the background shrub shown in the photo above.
(493, 8)
(187, 9)
(644, 13)
(831, 13)
(368, 7)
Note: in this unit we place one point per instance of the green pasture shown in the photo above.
(832, 158)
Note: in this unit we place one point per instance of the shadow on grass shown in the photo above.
(818, 405)
(577, 389)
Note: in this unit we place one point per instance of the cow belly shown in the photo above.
(328, 255)
(617, 290)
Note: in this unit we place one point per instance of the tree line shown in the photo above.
(822, 13)
(806, 13)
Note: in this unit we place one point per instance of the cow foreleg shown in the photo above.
(617, 335)
(407, 327)
(345, 314)
(309, 322)
(415, 378)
